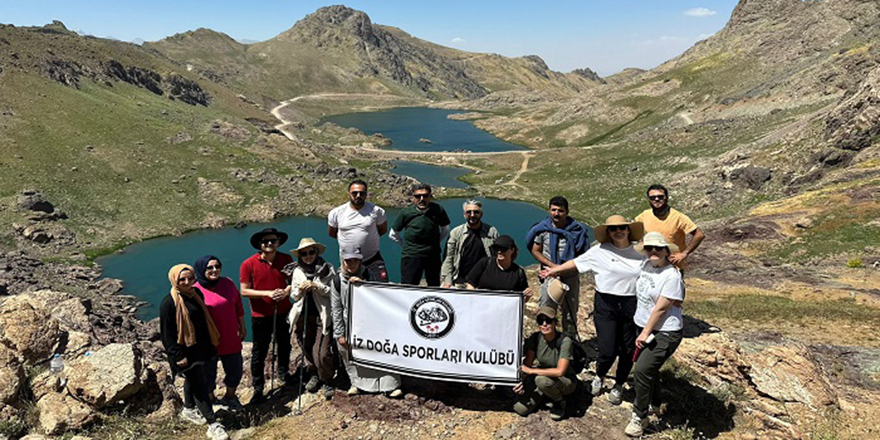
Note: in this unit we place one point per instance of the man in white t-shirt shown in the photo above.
(359, 224)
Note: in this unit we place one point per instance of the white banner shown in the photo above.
(434, 333)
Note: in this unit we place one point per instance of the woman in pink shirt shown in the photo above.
(224, 305)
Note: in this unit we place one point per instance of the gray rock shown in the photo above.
(60, 413)
(108, 376)
(31, 200)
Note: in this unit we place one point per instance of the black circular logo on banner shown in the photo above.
(432, 317)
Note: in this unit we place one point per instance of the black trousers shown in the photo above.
(196, 391)
(647, 375)
(412, 269)
(262, 331)
(616, 333)
(375, 265)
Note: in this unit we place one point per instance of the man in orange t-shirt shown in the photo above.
(674, 225)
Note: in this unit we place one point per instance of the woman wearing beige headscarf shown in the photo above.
(190, 339)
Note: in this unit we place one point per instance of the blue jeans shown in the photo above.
(232, 366)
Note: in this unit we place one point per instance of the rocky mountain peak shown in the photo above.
(589, 74)
(333, 23)
(751, 11)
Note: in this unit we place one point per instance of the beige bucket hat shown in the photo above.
(308, 242)
(636, 229)
(655, 239)
(557, 289)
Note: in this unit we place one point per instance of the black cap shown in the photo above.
(503, 243)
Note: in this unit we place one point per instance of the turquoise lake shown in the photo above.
(431, 174)
(405, 126)
(143, 267)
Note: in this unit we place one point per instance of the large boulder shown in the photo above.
(11, 375)
(788, 374)
(31, 200)
(60, 412)
(107, 376)
(28, 329)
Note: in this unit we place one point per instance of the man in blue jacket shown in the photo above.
(553, 241)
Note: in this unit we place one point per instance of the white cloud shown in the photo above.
(458, 40)
(700, 12)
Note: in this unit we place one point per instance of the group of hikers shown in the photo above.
(638, 267)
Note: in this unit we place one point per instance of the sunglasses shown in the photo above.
(545, 320)
(269, 240)
(473, 212)
(212, 267)
(422, 196)
(308, 253)
(656, 198)
(650, 248)
(358, 193)
(613, 228)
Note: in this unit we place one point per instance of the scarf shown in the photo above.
(186, 331)
(201, 266)
(575, 233)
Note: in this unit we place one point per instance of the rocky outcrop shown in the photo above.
(26, 328)
(59, 412)
(589, 74)
(855, 123)
(32, 200)
(107, 377)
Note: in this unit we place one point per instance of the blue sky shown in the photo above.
(605, 35)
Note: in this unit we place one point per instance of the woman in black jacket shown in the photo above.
(190, 339)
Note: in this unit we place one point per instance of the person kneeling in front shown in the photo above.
(553, 378)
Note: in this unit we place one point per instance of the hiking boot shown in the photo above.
(258, 397)
(396, 394)
(327, 391)
(217, 432)
(636, 426)
(558, 410)
(353, 391)
(616, 395)
(596, 386)
(193, 416)
(313, 384)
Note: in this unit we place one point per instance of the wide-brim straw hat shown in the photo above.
(655, 239)
(308, 242)
(557, 290)
(636, 229)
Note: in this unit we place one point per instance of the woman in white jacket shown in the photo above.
(310, 279)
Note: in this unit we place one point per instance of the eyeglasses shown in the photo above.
(613, 228)
(308, 253)
(545, 320)
(473, 212)
(269, 240)
(656, 198)
(422, 196)
(358, 193)
(213, 267)
(650, 248)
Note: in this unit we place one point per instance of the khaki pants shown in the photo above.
(539, 387)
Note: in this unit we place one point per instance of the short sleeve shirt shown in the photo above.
(652, 284)
(616, 269)
(359, 228)
(263, 275)
(544, 240)
(486, 274)
(421, 230)
(675, 227)
(548, 353)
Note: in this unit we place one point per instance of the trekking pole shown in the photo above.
(302, 357)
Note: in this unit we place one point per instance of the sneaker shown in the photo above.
(596, 386)
(558, 410)
(313, 384)
(396, 394)
(327, 391)
(217, 432)
(193, 416)
(636, 426)
(353, 391)
(616, 395)
(232, 403)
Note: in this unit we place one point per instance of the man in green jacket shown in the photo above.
(420, 229)
(467, 244)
